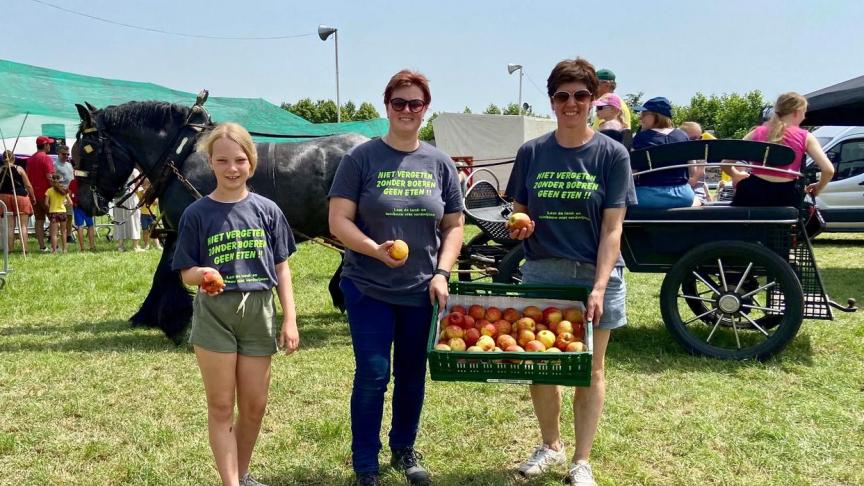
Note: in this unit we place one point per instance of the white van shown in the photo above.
(842, 200)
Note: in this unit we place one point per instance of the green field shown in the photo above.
(85, 399)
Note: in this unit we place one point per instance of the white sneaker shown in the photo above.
(248, 480)
(542, 459)
(580, 475)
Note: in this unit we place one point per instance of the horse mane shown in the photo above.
(152, 115)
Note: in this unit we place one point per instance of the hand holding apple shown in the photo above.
(211, 281)
(382, 253)
(520, 226)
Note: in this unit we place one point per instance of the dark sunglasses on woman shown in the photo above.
(581, 96)
(414, 106)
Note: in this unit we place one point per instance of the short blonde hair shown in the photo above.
(235, 133)
(662, 121)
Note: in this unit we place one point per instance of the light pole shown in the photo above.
(323, 33)
(512, 68)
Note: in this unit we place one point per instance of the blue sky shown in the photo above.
(673, 49)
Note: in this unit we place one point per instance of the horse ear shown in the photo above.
(85, 115)
(90, 107)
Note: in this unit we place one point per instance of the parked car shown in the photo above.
(842, 200)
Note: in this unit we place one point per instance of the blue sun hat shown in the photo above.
(659, 105)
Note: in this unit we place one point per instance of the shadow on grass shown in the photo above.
(316, 330)
(330, 477)
(653, 350)
(843, 283)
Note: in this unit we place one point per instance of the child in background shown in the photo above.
(148, 218)
(82, 219)
(56, 199)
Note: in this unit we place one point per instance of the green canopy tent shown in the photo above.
(49, 96)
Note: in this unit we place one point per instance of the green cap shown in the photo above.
(605, 75)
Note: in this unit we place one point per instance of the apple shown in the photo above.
(525, 323)
(553, 349)
(510, 314)
(535, 346)
(458, 308)
(505, 341)
(475, 349)
(211, 282)
(455, 319)
(486, 343)
(471, 336)
(467, 322)
(564, 326)
(517, 221)
(442, 347)
(504, 327)
(547, 338)
(515, 349)
(454, 331)
(533, 312)
(524, 336)
(399, 250)
(477, 311)
(489, 330)
(573, 314)
(498, 350)
(456, 344)
(563, 340)
(480, 324)
(549, 311)
(541, 327)
(575, 347)
(493, 314)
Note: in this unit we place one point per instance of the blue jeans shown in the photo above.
(376, 326)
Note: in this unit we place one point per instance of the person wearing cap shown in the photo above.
(609, 112)
(607, 85)
(666, 188)
(39, 169)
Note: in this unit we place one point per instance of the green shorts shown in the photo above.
(235, 322)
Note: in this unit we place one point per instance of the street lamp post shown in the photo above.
(323, 33)
(512, 68)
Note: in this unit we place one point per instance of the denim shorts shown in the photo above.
(560, 271)
(665, 196)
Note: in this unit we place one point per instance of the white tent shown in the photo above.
(488, 138)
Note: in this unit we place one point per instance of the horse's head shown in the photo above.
(102, 166)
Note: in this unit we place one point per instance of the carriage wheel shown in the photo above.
(465, 262)
(510, 268)
(738, 285)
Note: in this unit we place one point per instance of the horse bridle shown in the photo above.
(170, 161)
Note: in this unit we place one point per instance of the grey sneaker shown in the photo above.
(408, 461)
(580, 475)
(248, 480)
(542, 459)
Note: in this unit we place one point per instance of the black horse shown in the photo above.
(159, 139)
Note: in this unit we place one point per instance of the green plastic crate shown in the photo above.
(570, 369)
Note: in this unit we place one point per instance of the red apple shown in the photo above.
(526, 323)
(458, 308)
(504, 327)
(563, 340)
(493, 314)
(573, 314)
(533, 312)
(575, 347)
(477, 311)
(456, 344)
(564, 326)
(505, 341)
(548, 311)
(467, 322)
(455, 319)
(517, 221)
(489, 330)
(535, 346)
(524, 336)
(480, 324)
(541, 327)
(510, 314)
(211, 282)
(471, 336)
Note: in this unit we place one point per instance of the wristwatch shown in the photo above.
(444, 273)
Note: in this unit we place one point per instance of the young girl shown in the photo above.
(56, 200)
(244, 239)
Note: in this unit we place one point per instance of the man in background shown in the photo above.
(608, 85)
(40, 167)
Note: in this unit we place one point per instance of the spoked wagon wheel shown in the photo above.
(749, 302)
(465, 262)
(510, 268)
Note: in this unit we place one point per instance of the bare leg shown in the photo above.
(218, 370)
(40, 231)
(23, 234)
(91, 237)
(52, 233)
(253, 382)
(63, 236)
(80, 232)
(547, 408)
(588, 402)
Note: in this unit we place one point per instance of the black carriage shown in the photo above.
(739, 280)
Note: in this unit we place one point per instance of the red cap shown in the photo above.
(42, 139)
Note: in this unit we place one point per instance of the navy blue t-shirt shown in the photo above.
(671, 177)
(566, 191)
(399, 195)
(244, 240)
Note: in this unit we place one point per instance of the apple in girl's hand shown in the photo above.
(517, 221)
(211, 282)
(399, 250)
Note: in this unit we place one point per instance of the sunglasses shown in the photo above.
(414, 106)
(581, 96)
(601, 107)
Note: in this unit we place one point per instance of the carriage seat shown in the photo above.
(720, 213)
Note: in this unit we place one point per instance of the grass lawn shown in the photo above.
(85, 399)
